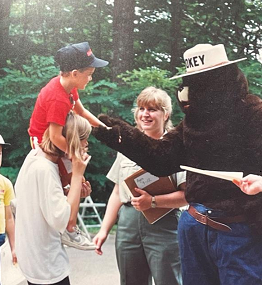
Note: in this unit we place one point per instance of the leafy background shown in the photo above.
(144, 42)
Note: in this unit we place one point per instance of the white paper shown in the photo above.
(68, 163)
(11, 274)
(227, 175)
(145, 179)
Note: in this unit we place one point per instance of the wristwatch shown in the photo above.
(153, 202)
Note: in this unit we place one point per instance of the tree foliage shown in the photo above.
(156, 35)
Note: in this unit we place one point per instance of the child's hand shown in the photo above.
(66, 179)
(14, 257)
(79, 165)
(86, 189)
(103, 125)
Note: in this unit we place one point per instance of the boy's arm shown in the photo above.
(10, 230)
(56, 136)
(83, 112)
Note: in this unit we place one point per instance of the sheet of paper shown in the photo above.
(145, 179)
(227, 175)
(11, 274)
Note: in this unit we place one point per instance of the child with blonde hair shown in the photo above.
(40, 222)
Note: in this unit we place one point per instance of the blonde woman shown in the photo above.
(43, 211)
(144, 250)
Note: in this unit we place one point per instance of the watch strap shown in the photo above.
(153, 202)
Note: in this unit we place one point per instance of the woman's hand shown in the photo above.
(251, 184)
(143, 202)
(99, 240)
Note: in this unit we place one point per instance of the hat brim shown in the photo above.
(2, 142)
(5, 144)
(207, 69)
(98, 63)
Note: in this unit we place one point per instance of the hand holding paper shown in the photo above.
(227, 175)
(250, 184)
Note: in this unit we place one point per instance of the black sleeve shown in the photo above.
(159, 157)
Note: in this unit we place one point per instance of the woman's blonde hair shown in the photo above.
(75, 130)
(155, 98)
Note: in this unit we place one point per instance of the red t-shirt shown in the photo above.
(52, 106)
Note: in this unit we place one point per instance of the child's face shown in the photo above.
(82, 78)
(84, 145)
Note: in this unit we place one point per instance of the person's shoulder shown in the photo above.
(37, 163)
(5, 182)
(251, 108)
(124, 160)
(253, 101)
(53, 85)
(43, 164)
(3, 178)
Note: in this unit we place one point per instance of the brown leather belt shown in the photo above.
(215, 223)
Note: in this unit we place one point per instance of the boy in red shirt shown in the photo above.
(55, 100)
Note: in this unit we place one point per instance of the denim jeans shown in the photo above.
(210, 256)
(2, 239)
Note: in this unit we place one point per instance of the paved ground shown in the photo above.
(87, 268)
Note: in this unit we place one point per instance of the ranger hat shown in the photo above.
(204, 57)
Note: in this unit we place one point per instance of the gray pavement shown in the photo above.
(87, 268)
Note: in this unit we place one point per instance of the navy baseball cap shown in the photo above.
(77, 56)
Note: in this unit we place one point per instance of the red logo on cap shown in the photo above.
(89, 52)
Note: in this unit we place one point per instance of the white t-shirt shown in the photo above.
(124, 167)
(42, 214)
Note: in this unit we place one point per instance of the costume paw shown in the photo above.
(109, 136)
(105, 119)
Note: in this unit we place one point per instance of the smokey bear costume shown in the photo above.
(221, 130)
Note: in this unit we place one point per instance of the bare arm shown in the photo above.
(73, 196)
(83, 112)
(109, 220)
(56, 136)
(10, 230)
